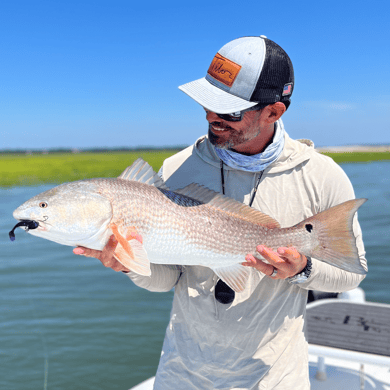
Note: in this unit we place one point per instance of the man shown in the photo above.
(218, 339)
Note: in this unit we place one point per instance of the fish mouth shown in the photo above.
(29, 224)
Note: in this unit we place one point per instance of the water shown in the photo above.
(67, 322)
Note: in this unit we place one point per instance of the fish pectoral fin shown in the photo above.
(137, 260)
(130, 252)
(235, 276)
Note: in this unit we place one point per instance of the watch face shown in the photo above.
(300, 278)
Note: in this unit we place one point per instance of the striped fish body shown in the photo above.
(192, 226)
(191, 233)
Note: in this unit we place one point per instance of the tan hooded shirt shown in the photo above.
(257, 341)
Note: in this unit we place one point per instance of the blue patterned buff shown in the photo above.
(256, 162)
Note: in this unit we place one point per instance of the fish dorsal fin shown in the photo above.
(229, 205)
(198, 192)
(142, 172)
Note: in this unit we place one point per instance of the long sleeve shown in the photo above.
(327, 278)
(162, 279)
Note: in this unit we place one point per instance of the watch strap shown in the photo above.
(303, 275)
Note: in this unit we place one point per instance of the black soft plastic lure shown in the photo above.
(26, 222)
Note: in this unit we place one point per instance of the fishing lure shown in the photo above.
(26, 222)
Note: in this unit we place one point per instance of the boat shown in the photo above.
(349, 343)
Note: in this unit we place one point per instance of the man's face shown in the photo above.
(234, 135)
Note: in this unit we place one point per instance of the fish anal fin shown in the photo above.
(235, 276)
(130, 251)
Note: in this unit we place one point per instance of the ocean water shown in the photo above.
(67, 322)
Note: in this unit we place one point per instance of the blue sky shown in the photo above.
(105, 73)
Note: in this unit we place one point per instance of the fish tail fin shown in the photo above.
(334, 237)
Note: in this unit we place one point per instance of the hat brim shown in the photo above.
(213, 98)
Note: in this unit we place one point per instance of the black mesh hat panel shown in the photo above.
(245, 72)
(276, 73)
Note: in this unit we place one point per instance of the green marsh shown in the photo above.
(26, 170)
(55, 168)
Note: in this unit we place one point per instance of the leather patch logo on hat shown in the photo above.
(224, 70)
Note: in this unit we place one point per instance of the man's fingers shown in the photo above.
(106, 256)
(80, 250)
(290, 253)
(270, 255)
(286, 261)
(265, 268)
(111, 244)
(116, 265)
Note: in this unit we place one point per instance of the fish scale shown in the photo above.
(191, 226)
(204, 230)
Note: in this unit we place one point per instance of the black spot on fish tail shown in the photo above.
(309, 227)
(28, 223)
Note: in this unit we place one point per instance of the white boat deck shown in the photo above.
(342, 374)
(354, 326)
(339, 375)
(349, 344)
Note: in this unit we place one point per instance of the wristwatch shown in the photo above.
(303, 275)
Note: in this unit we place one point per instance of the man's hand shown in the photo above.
(286, 261)
(106, 256)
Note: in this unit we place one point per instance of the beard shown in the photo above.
(218, 141)
(230, 141)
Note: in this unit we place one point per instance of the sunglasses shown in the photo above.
(238, 115)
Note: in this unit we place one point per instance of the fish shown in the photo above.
(189, 226)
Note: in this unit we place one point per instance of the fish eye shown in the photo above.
(43, 205)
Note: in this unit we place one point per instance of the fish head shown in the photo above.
(69, 214)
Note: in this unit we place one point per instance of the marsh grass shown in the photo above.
(352, 157)
(25, 170)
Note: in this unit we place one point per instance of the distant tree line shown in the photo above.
(92, 150)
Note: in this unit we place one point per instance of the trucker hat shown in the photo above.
(245, 72)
